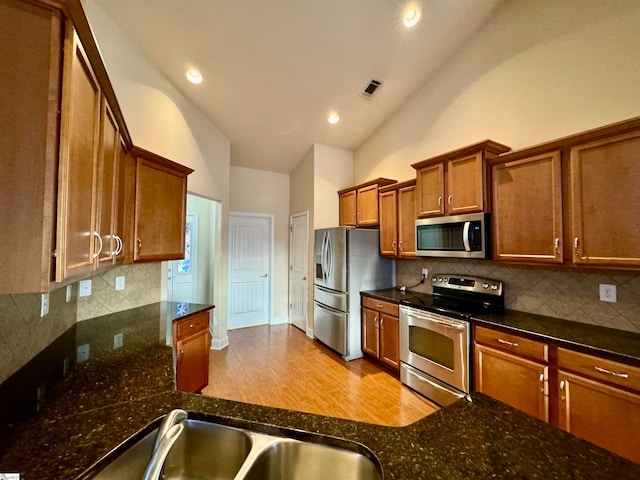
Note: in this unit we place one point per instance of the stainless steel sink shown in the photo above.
(206, 450)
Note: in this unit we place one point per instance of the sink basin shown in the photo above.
(207, 450)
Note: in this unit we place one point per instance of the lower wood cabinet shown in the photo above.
(191, 342)
(599, 401)
(513, 370)
(381, 331)
(596, 399)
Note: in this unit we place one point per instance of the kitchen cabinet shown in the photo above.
(512, 369)
(397, 204)
(605, 198)
(192, 343)
(522, 233)
(78, 241)
(455, 182)
(599, 401)
(359, 204)
(381, 331)
(31, 41)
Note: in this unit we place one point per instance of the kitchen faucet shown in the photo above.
(170, 429)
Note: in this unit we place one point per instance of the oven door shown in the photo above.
(436, 345)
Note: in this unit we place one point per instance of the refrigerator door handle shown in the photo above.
(330, 309)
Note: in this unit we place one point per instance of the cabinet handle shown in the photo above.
(439, 200)
(576, 242)
(95, 255)
(381, 323)
(542, 383)
(449, 198)
(393, 244)
(379, 305)
(181, 356)
(139, 241)
(562, 396)
(556, 245)
(375, 321)
(506, 342)
(400, 246)
(609, 372)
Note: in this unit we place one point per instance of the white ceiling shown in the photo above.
(274, 69)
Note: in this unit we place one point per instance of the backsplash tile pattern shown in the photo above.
(23, 334)
(565, 293)
(142, 287)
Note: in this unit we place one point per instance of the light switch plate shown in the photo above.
(117, 340)
(83, 353)
(85, 288)
(120, 282)
(608, 293)
(44, 304)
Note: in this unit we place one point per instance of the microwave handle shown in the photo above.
(465, 236)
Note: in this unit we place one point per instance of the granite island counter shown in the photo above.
(105, 400)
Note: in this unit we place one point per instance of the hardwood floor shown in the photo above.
(279, 366)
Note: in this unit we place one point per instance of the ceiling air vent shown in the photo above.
(371, 88)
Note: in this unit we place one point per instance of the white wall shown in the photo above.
(333, 171)
(258, 191)
(160, 119)
(538, 70)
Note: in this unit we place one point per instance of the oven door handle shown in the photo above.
(446, 324)
(420, 317)
(465, 236)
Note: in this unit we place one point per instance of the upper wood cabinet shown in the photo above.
(455, 182)
(526, 205)
(359, 204)
(160, 207)
(397, 219)
(605, 201)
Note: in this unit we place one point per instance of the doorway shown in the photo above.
(250, 260)
(298, 270)
(183, 274)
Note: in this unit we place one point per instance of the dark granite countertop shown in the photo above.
(608, 342)
(114, 394)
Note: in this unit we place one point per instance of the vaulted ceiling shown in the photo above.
(274, 69)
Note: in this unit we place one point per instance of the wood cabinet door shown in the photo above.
(31, 46)
(390, 340)
(407, 221)
(370, 332)
(160, 212)
(347, 214)
(124, 209)
(605, 201)
(108, 169)
(78, 239)
(514, 380)
(388, 223)
(367, 206)
(430, 190)
(601, 414)
(527, 210)
(192, 362)
(465, 185)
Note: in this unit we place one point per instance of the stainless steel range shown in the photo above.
(435, 334)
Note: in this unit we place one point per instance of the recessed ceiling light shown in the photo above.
(333, 118)
(194, 76)
(412, 15)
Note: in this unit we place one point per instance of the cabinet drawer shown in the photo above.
(381, 306)
(513, 343)
(191, 325)
(609, 371)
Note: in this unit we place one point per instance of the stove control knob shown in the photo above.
(445, 279)
(434, 279)
(494, 286)
(485, 285)
(439, 279)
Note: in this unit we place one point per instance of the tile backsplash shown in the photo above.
(564, 292)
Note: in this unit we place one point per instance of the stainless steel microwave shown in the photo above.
(461, 236)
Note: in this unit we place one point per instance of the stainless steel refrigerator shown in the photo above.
(347, 261)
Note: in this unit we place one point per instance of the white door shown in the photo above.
(183, 274)
(298, 269)
(249, 270)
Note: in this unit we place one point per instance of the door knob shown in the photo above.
(265, 275)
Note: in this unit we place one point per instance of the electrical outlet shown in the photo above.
(425, 272)
(120, 282)
(85, 288)
(608, 293)
(44, 304)
(117, 340)
(42, 390)
(69, 293)
(83, 353)
(65, 367)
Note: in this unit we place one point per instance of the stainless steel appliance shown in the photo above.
(465, 236)
(347, 260)
(435, 334)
